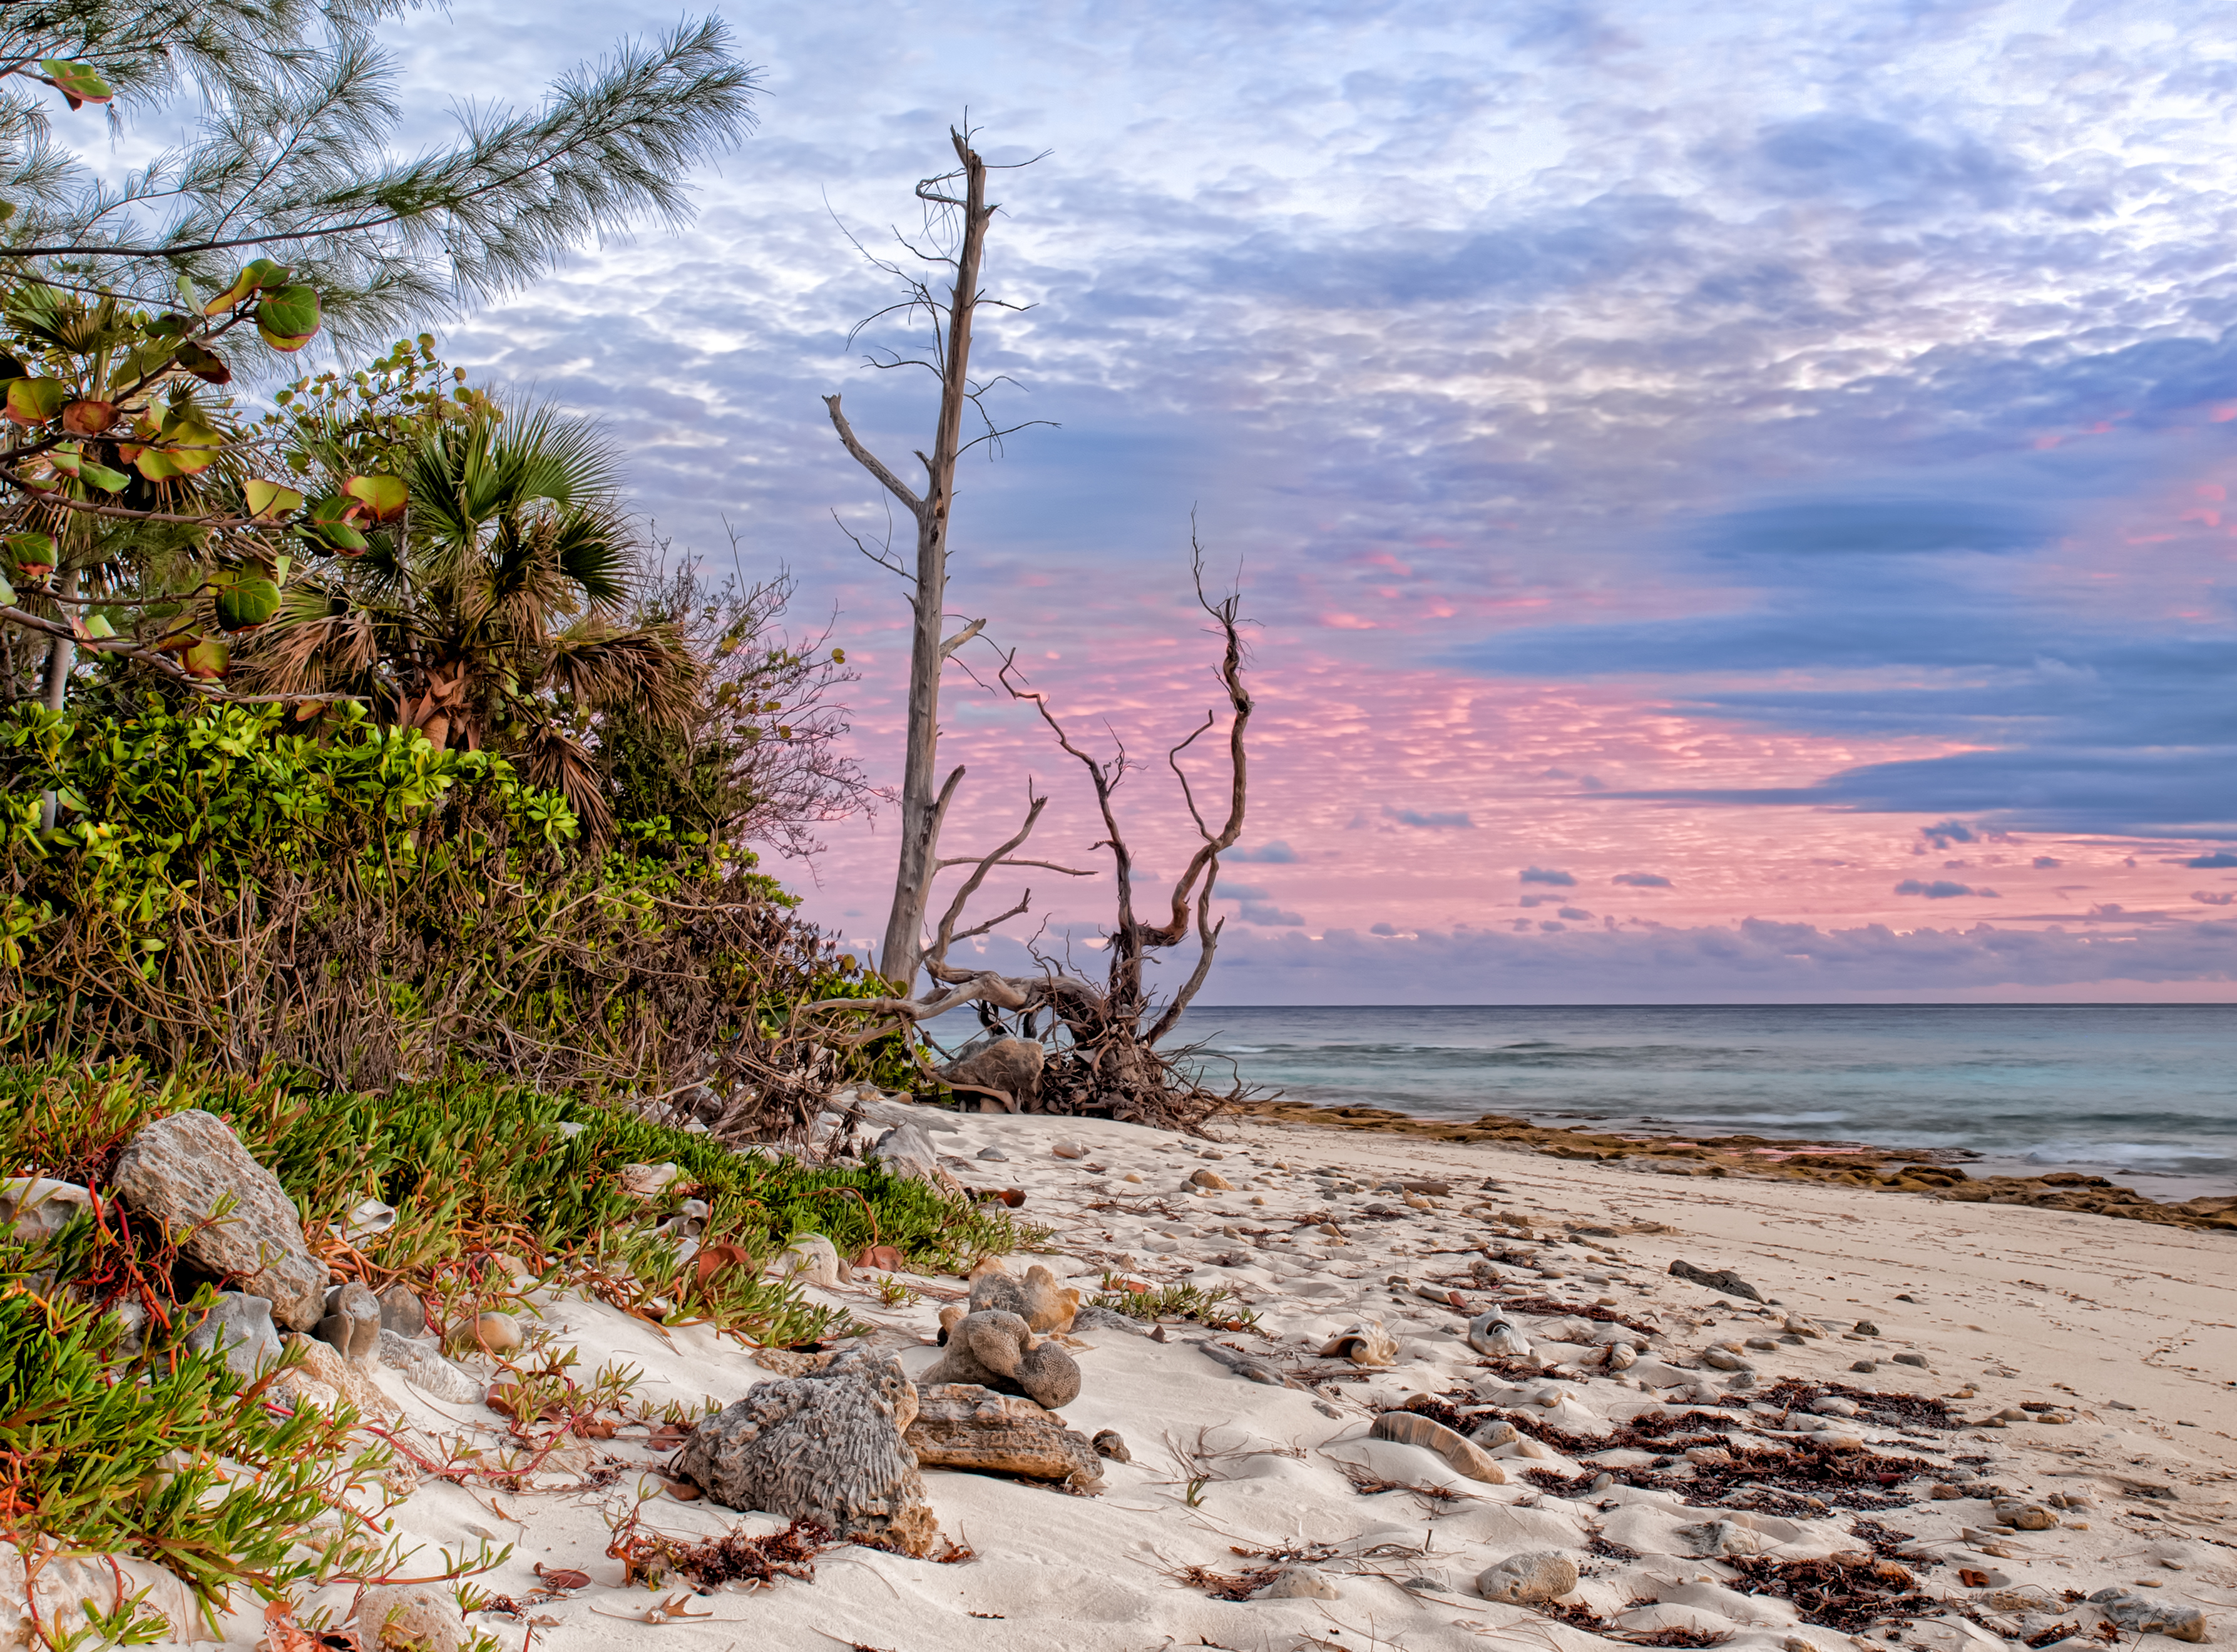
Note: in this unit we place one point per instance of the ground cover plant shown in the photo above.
(114, 1437)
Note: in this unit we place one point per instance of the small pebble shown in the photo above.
(499, 1333)
(1866, 1328)
(1069, 1150)
(1864, 1364)
(994, 1154)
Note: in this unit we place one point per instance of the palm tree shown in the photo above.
(493, 615)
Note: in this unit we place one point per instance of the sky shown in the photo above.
(1734, 502)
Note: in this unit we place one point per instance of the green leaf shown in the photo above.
(289, 313)
(269, 501)
(262, 274)
(34, 401)
(7, 592)
(100, 476)
(206, 660)
(34, 553)
(247, 603)
(194, 446)
(77, 83)
(98, 629)
(383, 496)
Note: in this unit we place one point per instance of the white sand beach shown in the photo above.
(2120, 1333)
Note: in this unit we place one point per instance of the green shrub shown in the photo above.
(221, 889)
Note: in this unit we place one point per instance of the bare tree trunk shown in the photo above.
(62, 655)
(901, 951)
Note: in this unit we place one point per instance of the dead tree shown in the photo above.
(951, 316)
(1104, 1057)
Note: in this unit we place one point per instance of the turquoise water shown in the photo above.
(2140, 1088)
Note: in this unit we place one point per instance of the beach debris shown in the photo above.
(997, 1350)
(40, 1206)
(413, 1616)
(1410, 1428)
(825, 1446)
(1300, 1583)
(1528, 1579)
(240, 1327)
(420, 1361)
(2147, 1615)
(1069, 1150)
(962, 1425)
(1109, 1442)
(2024, 1517)
(810, 1259)
(1495, 1336)
(1724, 1359)
(1245, 1366)
(1722, 1278)
(176, 1170)
(352, 1324)
(1364, 1343)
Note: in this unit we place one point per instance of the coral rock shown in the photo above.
(39, 1207)
(811, 1259)
(322, 1363)
(825, 1446)
(1007, 1072)
(1037, 1299)
(961, 1426)
(176, 1169)
(997, 1350)
(411, 1616)
(1409, 1428)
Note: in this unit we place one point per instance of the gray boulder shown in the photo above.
(1007, 1071)
(826, 1445)
(1528, 1579)
(2174, 1619)
(240, 1327)
(998, 1351)
(908, 1151)
(176, 1169)
(40, 1206)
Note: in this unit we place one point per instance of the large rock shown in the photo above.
(1410, 1428)
(1528, 1579)
(1037, 1299)
(1722, 1278)
(2176, 1619)
(176, 1170)
(992, 1349)
(39, 1207)
(908, 1151)
(239, 1327)
(825, 1446)
(961, 1426)
(1008, 1071)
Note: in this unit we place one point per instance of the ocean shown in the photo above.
(2144, 1093)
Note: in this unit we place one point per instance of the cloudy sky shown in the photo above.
(1734, 498)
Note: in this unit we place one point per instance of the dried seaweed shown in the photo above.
(1847, 1592)
(734, 1557)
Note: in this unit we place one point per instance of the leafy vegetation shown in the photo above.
(1182, 1301)
(367, 907)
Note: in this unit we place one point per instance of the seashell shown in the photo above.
(1496, 1336)
(1364, 1343)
